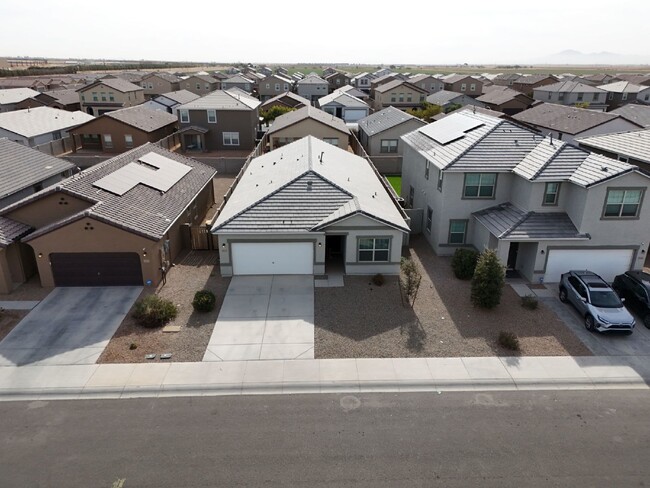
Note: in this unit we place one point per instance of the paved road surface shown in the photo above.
(570, 438)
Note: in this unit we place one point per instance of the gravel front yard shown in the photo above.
(363, 320)
(196, 271)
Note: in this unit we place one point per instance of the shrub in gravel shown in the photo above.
(204, 301)
(153, 311)
(410, 279)
(464, 263)
(508, 340)
(378, 279)
(489, 278)
(529, 302)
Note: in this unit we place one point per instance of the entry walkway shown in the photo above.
(265, 317)
(322, 376)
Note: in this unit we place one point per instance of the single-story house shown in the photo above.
(65, 99)
(123, 222)
(10, 97)
(308, 121)
(32, 127)
(308, 206)
(169, 101)
(344, 106)
(288, 100)
(448, 99)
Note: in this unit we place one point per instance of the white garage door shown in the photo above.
(354, 114)
(605, 262)
(253, 258)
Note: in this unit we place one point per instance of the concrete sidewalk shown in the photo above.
(322, 376)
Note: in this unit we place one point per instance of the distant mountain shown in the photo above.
(573, 57)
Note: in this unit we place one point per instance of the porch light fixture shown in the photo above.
(543, 251)
(40, 254)
(223, 246)
(320, 244)
(144, 252)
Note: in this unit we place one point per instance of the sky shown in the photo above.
(370, 32)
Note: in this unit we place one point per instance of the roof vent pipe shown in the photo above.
(320, 158)
(550, 134)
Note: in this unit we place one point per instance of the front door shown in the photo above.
(513, 252)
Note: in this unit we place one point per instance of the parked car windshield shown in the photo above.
(605, 299)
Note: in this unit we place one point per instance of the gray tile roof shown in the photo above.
(569, 87)
(443, 97)
(180, 96)
(295, 100)
(163, 75)
(22, 167)
(384, 119)
(142, 118)
(41, 120)
(142, 210)
(456, 78)
(342, 98)
(118, 84)
(307, 112)
(639, 114)
(10, 230)
(391, 85)
(506, 221)
(237, 79)
(222, 100)
(551, 160)
(204, 78)
(343, 185)
(15, 95)
(561, 118)
(633, 144)
(312, 80)
(597, 168)
(623, 87)
(65, 97)
(532, 79)
(498, 95)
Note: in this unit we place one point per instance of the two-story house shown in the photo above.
(465, 84)
(631, 146)
(526, 84)
(427, 82)
(274, 85)
(398, 93)
(362, 81)
(246, 83)
(221, 120)
(308, 121)
(200, 84)
(337, 80)
(169, 101)
(343, 105)
(572, 93)
(159, 83)
(622, 92)
(545, 206)
(312, 87)
(108, 94)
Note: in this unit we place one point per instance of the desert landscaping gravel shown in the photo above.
(365, 320)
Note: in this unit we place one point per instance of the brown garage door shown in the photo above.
(96, 269)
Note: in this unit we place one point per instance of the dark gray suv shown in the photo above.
(600, 306)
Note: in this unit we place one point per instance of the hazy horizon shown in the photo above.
(480, 33)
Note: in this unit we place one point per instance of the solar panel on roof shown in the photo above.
(152, 170)
(450, 129)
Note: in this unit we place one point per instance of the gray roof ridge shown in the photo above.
(455, 160)
(561, 148)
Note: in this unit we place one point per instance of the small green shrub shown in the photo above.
(153, 311)
(204, 301)
(133, 346)
(378, 279)
(508, 340)
(529, 302)
(464, 263)
(488, 280)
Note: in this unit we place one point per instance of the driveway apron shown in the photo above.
(265, 317)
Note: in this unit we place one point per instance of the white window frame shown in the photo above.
(472, 87)
(277, 87)
(209, 113)
(229, 138)
(373, 250)
(184, 116)
(463, 87)
(334, 141)
(108, 141)
(128, 140)
(388, 146)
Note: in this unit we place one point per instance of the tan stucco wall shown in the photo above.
(128, 99)
(310, 127)
(103, 238)
(46, 210)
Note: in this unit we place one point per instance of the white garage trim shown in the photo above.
(605, 262)
(263, 258)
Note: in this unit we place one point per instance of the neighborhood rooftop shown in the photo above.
(633, 144)
(41, 120)
(222, 100)
(308, 112)
(639, 114)
(118, 84)
(181, 96)
(569, 87)
(383, 120)
(143, 118)
(16, 95)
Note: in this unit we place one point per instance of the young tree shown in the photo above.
(488, 280)
(427, 111)
(275, 111)
(410, 280)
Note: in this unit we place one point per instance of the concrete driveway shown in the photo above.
(608, 344)
(265, 317)
(71, 326)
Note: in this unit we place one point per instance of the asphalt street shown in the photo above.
(463, 439)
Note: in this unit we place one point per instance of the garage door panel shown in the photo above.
(352, 115)
(605, 262)
(253, 258)
(96, 269)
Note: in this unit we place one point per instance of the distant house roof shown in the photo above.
(384, 119)
(163, 75)
(569, 87)
(118, 84)
(474, 109)
(443, 97)
(532, 79)
(391, 85)
(498, 95)
(22, 167)
(312, 80)
(456, 78)
(41, 120)
(142, 118)
(350, 90)
(294, 100)
(308, 112)
(623, 87)
(306, 186)
(180, 96)
(205, 78)
(132, 76)
(64, 97)
(505, 221)
(561, 118)
(222, 100)
(633, 144)
(638, 114)
(143, 209)
(342, 98)
(420, 77)
(16, 95)
(237, 79)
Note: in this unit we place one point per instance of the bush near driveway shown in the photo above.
(204, 301)
(488, 281)
(464, 263)
(153, 311)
